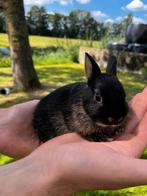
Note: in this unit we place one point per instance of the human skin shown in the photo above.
(17, 136)
(68, 163)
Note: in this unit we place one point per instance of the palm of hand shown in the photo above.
(18, 138)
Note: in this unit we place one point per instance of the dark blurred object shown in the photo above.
(137, 33)
(133, 53)
(4, 51)
(117, 46)
(134, 47)
(138, 48)
(5, 91)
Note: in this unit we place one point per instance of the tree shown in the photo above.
(24, 74)
(102, 30)
(37, 20)
(126, 22)
(58, 25)
(116, 29)
(74, 24)
(83, 25)
(1, 4)
(90, 26)
(2, 22)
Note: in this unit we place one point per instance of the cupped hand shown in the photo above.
(68, 163)
(17, 136)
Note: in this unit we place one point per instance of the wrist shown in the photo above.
(30, 176)
(51, 171)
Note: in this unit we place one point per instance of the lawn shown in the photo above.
(44, 42)
(55, 75)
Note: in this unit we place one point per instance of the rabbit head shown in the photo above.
(106, 103)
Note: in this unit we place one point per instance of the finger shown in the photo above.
(138, 107)
(145, 90)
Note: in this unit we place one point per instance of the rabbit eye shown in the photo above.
(98, 98)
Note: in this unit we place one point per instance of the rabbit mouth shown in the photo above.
(110, 131)
(105, 125)
(116, 124)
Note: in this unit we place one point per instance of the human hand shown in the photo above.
(68, 163)
(83, 165)
(134, 140)
(138, 105)
(17, 136)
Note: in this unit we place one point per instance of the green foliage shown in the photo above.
(50, 55)
(55, 55)
(81, 24)
(74, 54)
(5, 61)
(119, 28)
(78, 24)
(2, 22)
(144, 71)
(59, 25)
(48, 50)
(37, 20)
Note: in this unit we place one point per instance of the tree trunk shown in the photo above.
(1, 4)
(24, 75)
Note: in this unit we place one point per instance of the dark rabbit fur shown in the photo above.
(95, 109)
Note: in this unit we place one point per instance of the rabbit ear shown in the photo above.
(92, 69)
(111, 66)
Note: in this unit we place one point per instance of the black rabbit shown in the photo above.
(96, 110)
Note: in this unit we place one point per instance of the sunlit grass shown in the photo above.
(44, 42)
(133, 191)
(59, 75)
(5, 159)
(53, 75)
(4, 40)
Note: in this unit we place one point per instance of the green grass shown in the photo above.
(58, 75)
(134, 191)
(49, 50)
(53, 75)
(44, 42)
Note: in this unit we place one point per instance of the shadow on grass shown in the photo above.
(133, 83)
(47, 50)
(2, 74)
(59, 75)
(20, 99)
